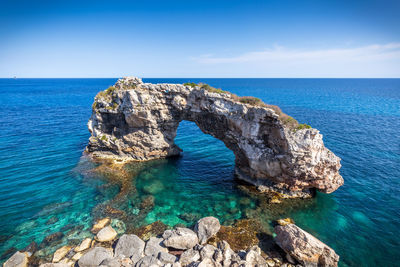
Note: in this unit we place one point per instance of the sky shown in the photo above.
(232, 39)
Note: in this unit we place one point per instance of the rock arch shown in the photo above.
(138, 121)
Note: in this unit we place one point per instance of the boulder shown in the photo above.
(206, 228)
(148, 261)
(180, 238)
(106, 234)
(304, 247)
(60, 253)
(100, 224)
(165, 257)
(189, 256)
(117, 262)
(130, 246)
(54, 265)
(154, 246)
(254, 258)
(207, 252)
(19, 259)
(95, 256)
(85, 244)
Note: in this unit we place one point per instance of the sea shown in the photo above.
(48, 186)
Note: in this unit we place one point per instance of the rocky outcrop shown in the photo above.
(304, 247)
(138, 121)
(130, 250)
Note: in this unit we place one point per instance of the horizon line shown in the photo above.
(16, 78)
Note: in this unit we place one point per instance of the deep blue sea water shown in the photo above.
(43, 133)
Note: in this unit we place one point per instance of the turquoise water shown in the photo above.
(47, 186)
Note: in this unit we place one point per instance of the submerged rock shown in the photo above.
(304, 247)
(180, 238)
(85, 244)
(206, 228)
(100, 224)
(19, 259)
(138, 121)
(60, 253)
(154, 229)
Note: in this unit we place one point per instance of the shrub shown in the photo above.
(251, 100)
(190, 84)
(303, 126)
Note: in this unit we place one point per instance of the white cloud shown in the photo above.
(378, 60)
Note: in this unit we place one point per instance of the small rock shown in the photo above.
(130, 246)
(165, 257)
(117, 262)
(84, 245)
(154, 246)
(100, 224)
(94, 257)
(19, 259)
(189, 256)
(60, 253)
(206, 228)
(77, 256)
(106, 234)
(284, 222)
(54, 265)
(180, 238)
(148, 261)
(207, 251)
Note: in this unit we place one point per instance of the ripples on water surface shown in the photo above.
(45, 185)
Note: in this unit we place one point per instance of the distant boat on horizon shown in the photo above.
(15, 77)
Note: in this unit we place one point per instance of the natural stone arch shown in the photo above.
(138, 121)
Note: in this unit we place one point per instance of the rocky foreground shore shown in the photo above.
(200, 247)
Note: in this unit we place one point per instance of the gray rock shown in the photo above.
(117, 262)
(154, 246)
(270, 151)
(148, 261)
(130, 246)
(206, 228)
(165, 257)
(54, 265)
(254, 258)
(189, 256)
(95, 256)
(19, 259)
(180, 238)
(304, 247)
(207, 252)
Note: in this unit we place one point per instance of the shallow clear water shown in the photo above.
(43, 176)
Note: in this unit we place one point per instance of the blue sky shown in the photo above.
(232, 38)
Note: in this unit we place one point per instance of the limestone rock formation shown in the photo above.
(206, 227)
(304, 247)
(138, 121)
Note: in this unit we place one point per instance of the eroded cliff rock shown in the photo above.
(138, 121)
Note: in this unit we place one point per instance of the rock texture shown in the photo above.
(138, 121)
(19, 259)
(206, 228)
(304, 247)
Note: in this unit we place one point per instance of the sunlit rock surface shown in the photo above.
(134, 121)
